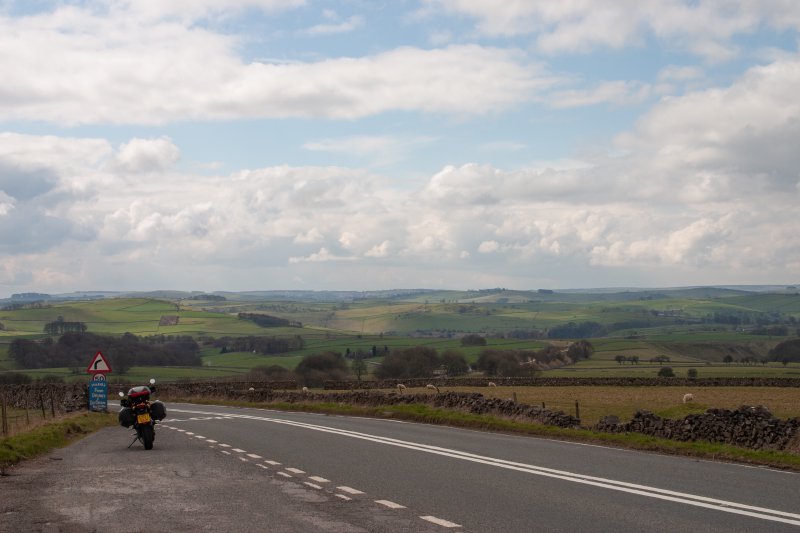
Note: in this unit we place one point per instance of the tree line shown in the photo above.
(269, 321)
(75, 349)
(423, 362)
(61, 326)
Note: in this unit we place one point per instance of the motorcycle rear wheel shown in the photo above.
(148, 436)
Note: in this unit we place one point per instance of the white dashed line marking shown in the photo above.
(182, 430)
(225, 452)
(225, 445)
(313, 485)
(199, 437)
(284, 474)
(242, 459)
(238, 450)
(342, 496)
(189, 433)
(439, 521)
(262, 466)
(211, 441)
(349, 490)
(273, 463)
(319, 479)
(254, 456)
(390, 505)
(295, 471)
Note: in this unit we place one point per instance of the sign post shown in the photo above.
(98, 387)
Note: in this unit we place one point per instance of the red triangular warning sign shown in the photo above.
(99, 365)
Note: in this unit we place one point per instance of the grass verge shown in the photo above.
(49, 436)
(430, 415)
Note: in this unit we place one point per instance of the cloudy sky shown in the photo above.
(366, 144)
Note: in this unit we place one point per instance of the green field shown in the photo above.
(677, 324)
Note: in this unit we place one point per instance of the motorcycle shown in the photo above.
(138, 411)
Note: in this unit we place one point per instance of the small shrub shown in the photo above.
(473, 340)
(691, 373)
(666, 372)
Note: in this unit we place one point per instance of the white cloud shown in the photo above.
(352, 23)
(612, 92)
(322, 256)
(146, 155)
(487, 247)
(191, 10)
(704, 27)
(75, 66)
(378, 150)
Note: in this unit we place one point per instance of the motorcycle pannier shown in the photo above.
(158, 410)
(126, 417)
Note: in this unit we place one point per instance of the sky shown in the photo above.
(234, 145)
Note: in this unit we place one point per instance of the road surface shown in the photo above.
(232, 469)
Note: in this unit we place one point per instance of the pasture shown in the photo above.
(677, 324)
(597, 402)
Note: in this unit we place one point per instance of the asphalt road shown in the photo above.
(233, 469)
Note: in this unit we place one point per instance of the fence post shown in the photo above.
(41, 402)
(52, 403)
(4, 413)
(577, 410)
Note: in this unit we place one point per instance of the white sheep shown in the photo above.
(492, 384)
(401, 388)
(688, 397)
(305, 390)
(432, 387)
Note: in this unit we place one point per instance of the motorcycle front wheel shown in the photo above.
(148, 435)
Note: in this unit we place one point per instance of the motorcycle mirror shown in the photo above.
(152, 381)
(121, 395)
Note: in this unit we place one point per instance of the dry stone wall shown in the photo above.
(53, 396)
(747, 427)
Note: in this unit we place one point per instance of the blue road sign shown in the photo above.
(98, 395)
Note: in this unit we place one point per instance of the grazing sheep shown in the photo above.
(305, 390)
(251, 389)
(401, 388)
(432, 387)
(492, 384)
(688, 397)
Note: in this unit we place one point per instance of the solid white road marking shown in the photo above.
(695, 500)
(295, 471)
(390, 505)
(440, 522)
(349, 490)
(319, 479)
